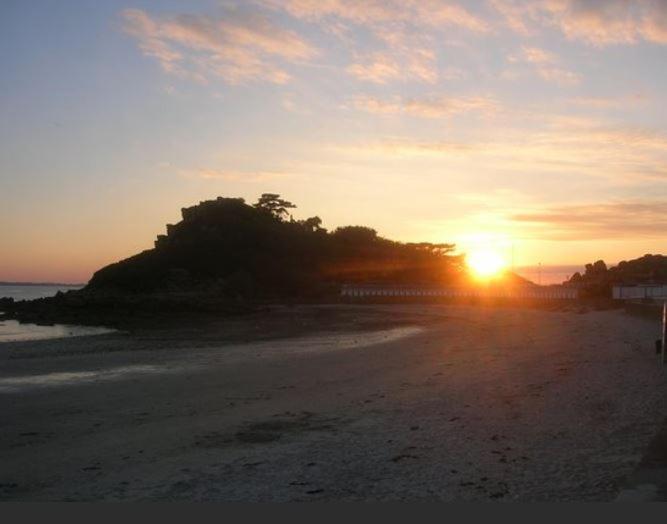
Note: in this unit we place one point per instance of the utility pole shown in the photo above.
(539, 273)
(664, 333)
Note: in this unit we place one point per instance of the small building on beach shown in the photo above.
(639, 292)
(517, 292)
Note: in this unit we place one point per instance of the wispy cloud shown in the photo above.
(388, 40)
(547, 65)
(406, 33)
(432, 13)
(551, 146)
(228, 175)
(516, 15)
(376, 67)
(612, 21)
(403, 62)
(237, 48)
(606, 102)
(646, 218)
(428, 107)
(406, 148)
(596, 22)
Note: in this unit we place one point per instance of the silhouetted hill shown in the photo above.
(229, 247)
(598, 279)
(226, 257)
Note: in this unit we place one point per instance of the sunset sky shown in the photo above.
(540, 124)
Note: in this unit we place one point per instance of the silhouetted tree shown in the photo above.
(356, 234)
(598, 279)
(312, 224)
(435, 249)
(597, 268)
(274, 205)
(576, 278)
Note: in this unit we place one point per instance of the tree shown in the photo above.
(313, 224)
(360, 235)
(439, 249)
(274, 205)
(576, 278)
(597, 268)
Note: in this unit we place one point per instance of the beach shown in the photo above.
(346, 402)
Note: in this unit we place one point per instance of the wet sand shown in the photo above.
(336, 403)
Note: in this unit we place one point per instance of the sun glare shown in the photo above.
(485, 263)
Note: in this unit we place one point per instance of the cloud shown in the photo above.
(559, 76)
(516, 15)
(538, 56)
(410, 55)
(398, 147)
(622, 154)
(606, 102)
(600, 23)
(432, 13)
(596, 22)
(546, 64)
(377, 68)
(389, 40)
(236, 48)
(405, 32)
(232, 175)
(533, 148)
(598, 220)
(404, 62)
(434, 107)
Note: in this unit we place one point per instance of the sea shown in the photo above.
(13, 331)
(32, 291)
(547, 274)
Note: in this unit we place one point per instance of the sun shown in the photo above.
(485, 263)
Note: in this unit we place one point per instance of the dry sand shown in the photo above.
(336, 403)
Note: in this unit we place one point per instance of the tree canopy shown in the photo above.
(274, 205)
(598, 279)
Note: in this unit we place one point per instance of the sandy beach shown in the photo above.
(413, 402)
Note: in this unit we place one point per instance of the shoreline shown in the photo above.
(468, 404)
(130, 311)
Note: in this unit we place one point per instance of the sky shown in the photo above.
(538, 127)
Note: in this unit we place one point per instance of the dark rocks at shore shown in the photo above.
(121, 309)
(6, 303)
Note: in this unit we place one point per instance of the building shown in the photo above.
(639, 292)
(389, 290)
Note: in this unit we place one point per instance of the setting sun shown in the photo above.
(485, 263)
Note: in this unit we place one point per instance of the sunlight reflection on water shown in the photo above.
(308, 344)
(336, 341)
(67, 378)
(14, 331)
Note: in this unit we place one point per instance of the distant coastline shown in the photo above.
(548, 273)
(19, 291)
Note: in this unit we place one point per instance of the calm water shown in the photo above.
(19, 292)
(548, 274)
(11, 330)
